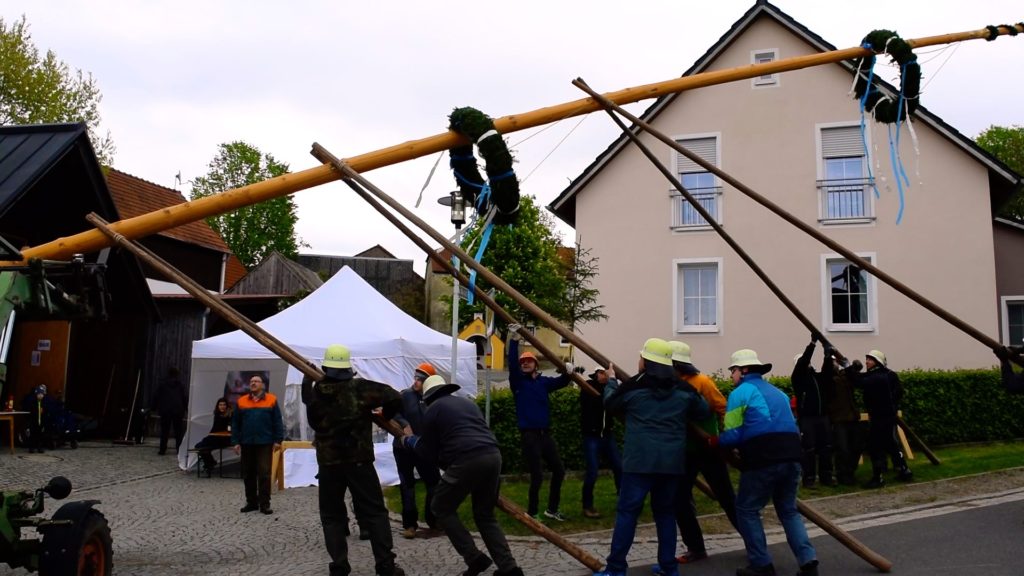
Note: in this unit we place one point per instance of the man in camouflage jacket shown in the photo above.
(339, 409)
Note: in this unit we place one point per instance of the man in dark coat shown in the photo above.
(598, 439)
(339, 410)
(1013, 382)
(882, 395)
(411, 421)
(456, 438)
(813, 391)
(171, 403)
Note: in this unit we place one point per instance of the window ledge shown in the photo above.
(695, 228)
(851, 328)
(845, 221)
(692, 329)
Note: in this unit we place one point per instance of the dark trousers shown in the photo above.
(367, 503)
(846, 445)
(209, 444)
(476, 477)
(711, 465)
(166, 423)
(882, 443)
(256, 473)
(407, 463)
(593, 448)
(816, 441)
(539, 445)
(35, 435)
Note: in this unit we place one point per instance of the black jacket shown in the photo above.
(593, 419)
(882, 392)
(411, 414)
(453, 430)
(813, 390)
(171, 398)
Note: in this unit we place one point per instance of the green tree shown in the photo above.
(525, 256)
(1007, 144)
(37, 89)
(252, 232)
(581, 297)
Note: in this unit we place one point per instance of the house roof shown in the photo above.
(564, 206)
(277, 274)
(376, 251)
(135, 196)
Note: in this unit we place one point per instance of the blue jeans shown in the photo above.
(593, 448)
(778, 483)
(632, 493)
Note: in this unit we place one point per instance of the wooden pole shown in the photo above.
(674, 181)
(166, 218)
(302, 364)
(325, 156)
(809, 230)
(913, 435)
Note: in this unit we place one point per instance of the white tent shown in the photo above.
(386, 344)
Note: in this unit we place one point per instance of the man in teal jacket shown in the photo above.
(759, 422)
(256, 429)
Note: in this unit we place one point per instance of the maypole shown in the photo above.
(186, 212)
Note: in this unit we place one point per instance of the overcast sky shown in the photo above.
(179, 78)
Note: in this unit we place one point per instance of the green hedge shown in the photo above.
(942, 407)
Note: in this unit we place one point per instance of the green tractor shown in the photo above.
(75, 541)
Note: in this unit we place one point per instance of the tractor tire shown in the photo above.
(90, 555)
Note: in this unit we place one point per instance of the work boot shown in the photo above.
(877, 481)
(809, 569)
(591, 513)
(409, 533)
(904, 474)
(478, 565)
(249, 508)
(517, 571)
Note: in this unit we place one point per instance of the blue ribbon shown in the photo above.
(484, 239)
(863, 125)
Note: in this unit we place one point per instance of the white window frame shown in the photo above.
(677, 296)
(563, 342)
(676, 199)
(826, 296)
(869, 200)
(768, 80)
(1004, 317)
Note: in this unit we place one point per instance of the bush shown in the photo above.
(942, 407)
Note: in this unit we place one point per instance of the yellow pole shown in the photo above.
(160, 220)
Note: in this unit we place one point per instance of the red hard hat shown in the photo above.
(427, 369)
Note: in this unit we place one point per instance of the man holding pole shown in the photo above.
(339, 410)
(533, 414)
(411, 421)
(598, 439)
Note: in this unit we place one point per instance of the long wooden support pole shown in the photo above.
(485, 273)
(673, 181)
(804, 227)
(913, 435)
(166, 218)
(270, 342)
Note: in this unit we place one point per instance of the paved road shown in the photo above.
(166, 522)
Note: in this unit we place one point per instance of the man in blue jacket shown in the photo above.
(759, 422)
(657, 407)
(533, 414)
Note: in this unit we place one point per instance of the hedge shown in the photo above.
(942, 407)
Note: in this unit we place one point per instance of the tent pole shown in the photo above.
(165, 218)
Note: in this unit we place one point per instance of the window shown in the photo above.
(849, 296)
(843, 188)
(700, 183)
(764, 57)
(1013, 320)
(698, 290)
(563, 342)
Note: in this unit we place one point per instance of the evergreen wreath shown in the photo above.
(504, 186)
(884, 108)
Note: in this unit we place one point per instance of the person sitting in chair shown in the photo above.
(222, 425)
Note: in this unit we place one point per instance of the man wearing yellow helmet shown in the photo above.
(339, 410)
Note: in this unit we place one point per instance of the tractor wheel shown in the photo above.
(91, 555)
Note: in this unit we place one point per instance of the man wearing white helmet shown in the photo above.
(759, 422)
(455, 437)
(882, 395)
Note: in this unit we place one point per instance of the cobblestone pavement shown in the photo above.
(168, 522)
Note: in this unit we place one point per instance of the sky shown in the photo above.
(179, 78)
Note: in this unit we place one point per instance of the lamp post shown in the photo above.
(458, 206)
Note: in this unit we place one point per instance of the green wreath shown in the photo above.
(882, 107)
(504, 186)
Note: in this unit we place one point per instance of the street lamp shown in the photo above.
(458, 206)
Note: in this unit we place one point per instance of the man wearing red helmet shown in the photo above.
(533, 414)
(411, 420)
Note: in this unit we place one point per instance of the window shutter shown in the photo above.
(706, 148)
(841, 142)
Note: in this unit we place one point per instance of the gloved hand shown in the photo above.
(570, 367)
(610, 371)
(814, 338)
(1002, 353)
(513, 331)
(856, 366)
(410, 441)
